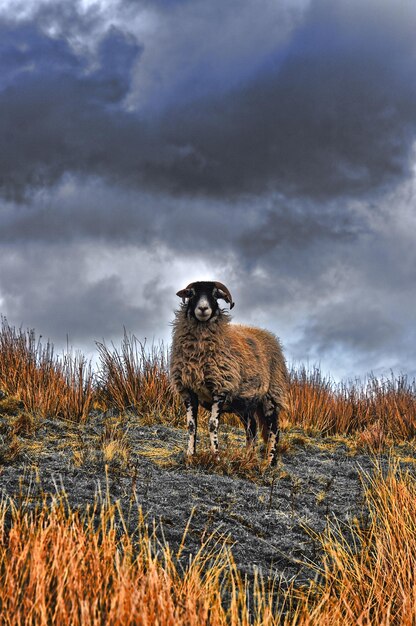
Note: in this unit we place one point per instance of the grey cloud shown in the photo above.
(57, 115)
(335, 116)
(330, 113)
(351, 326)
(357, 337)
(298, 226)
(281, 184)
(201, 48)
(51, 290)
(90, 210)
(361, 311)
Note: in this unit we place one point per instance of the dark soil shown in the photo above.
(271, 520)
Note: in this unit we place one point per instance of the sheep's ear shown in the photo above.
(185, 293)
(222, 292)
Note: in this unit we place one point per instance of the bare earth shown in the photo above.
(270, 519)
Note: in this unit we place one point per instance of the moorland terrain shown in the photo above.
(96, 459)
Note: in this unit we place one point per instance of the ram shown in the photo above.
(226, 367)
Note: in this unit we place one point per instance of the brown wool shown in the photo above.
(231, 359)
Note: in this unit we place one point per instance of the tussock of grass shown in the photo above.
(59, 567)
(31, 374)
(62, 567)
(368, 574)
(10, 405)
(134, 378)
(233, 461)
(10, 449)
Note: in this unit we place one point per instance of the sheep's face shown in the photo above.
(203, 304)
(202, 300)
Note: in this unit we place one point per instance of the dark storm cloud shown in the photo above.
(294, 226)
(92, 211)
(273, 178)
(57, 114)
(331, 112)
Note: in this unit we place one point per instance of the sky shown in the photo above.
(266, 144)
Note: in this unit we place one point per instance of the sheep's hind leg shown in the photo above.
(251, 430)
(271, 414)
(214, 421)
(250, 425)
(191, 403)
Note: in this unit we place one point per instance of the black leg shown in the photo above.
(271, 414)
(250, 425)
(251, 430)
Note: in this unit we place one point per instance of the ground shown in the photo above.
(270, 517)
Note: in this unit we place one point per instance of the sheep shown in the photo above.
(226, 367)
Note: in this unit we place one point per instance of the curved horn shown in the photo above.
(225, 294)
(186, 293)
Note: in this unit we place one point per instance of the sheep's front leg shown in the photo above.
(214, 421)
(191, 403)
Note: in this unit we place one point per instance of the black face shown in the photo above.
(202, 303)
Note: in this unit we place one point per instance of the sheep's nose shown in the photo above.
(203, 309)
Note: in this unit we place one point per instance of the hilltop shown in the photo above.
(271, 518)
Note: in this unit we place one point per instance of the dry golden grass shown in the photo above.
(115, 445)
(46, 386)
(369, 579)
(60, 567)
(385, 406)
(133, 378)
(377, 411)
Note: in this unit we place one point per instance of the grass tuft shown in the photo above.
(45, 385)
(232, 461)
(59, 566)
(135, 378)
(368, 575)
(132, 378)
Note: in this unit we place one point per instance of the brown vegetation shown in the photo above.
(319, 405)
(43, 383)
(136, 378)
(371, 578)
(62, 566)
